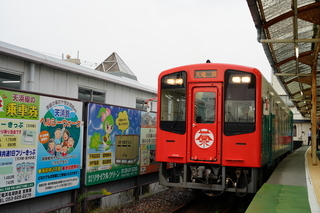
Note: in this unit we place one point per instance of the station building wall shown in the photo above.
(48, 75)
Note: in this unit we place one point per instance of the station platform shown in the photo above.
(293, 187)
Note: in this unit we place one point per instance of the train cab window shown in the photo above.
(173, 103)
(239, 105)
(204, 107)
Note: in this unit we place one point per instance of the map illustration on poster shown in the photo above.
(113, 137)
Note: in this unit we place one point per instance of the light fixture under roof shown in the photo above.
(10, 82)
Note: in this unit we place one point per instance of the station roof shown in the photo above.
(115, 65)
(289, 32)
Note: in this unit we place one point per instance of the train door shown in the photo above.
(204, 135)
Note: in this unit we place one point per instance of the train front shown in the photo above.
(209, 128)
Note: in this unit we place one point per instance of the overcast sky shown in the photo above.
(149, 35)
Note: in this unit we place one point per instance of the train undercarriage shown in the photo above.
(212, 179)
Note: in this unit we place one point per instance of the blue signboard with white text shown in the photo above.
(59, 154)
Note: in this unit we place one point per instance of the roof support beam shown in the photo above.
(314, 101)
(314, 116)
(299, 100)
(304, 80)
(292, 74)
(294, 7)
(305, 57)
(312, 40)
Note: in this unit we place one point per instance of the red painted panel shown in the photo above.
(171, 147)
(242, 150)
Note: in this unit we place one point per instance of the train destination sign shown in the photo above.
(205, 73)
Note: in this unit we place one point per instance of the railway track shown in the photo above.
(177, 200)
(226, 203)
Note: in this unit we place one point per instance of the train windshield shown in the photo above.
(239, 102)
(173, 102)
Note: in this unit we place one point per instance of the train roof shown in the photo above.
(209, 66)
(232, 66)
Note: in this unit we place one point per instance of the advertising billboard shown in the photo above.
(59, 153)
(113, 137)
(148, 143)
(28, 166)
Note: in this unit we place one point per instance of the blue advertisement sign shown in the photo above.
(113, 137)
(59, 153)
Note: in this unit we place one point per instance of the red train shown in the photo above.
(223, 125)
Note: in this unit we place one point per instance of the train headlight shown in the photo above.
(236, 79)
(240, 79)
(174, 81)
(246, 79)
(170, 81)
(179, 81)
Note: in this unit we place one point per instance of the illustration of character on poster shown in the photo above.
(57, 135)
(70, 145)
(107, 125)
(58, 146)
(64, 150)
(51, 147)
(58, 150)
(65, 135)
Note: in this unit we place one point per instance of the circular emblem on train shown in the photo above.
(204, 138)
